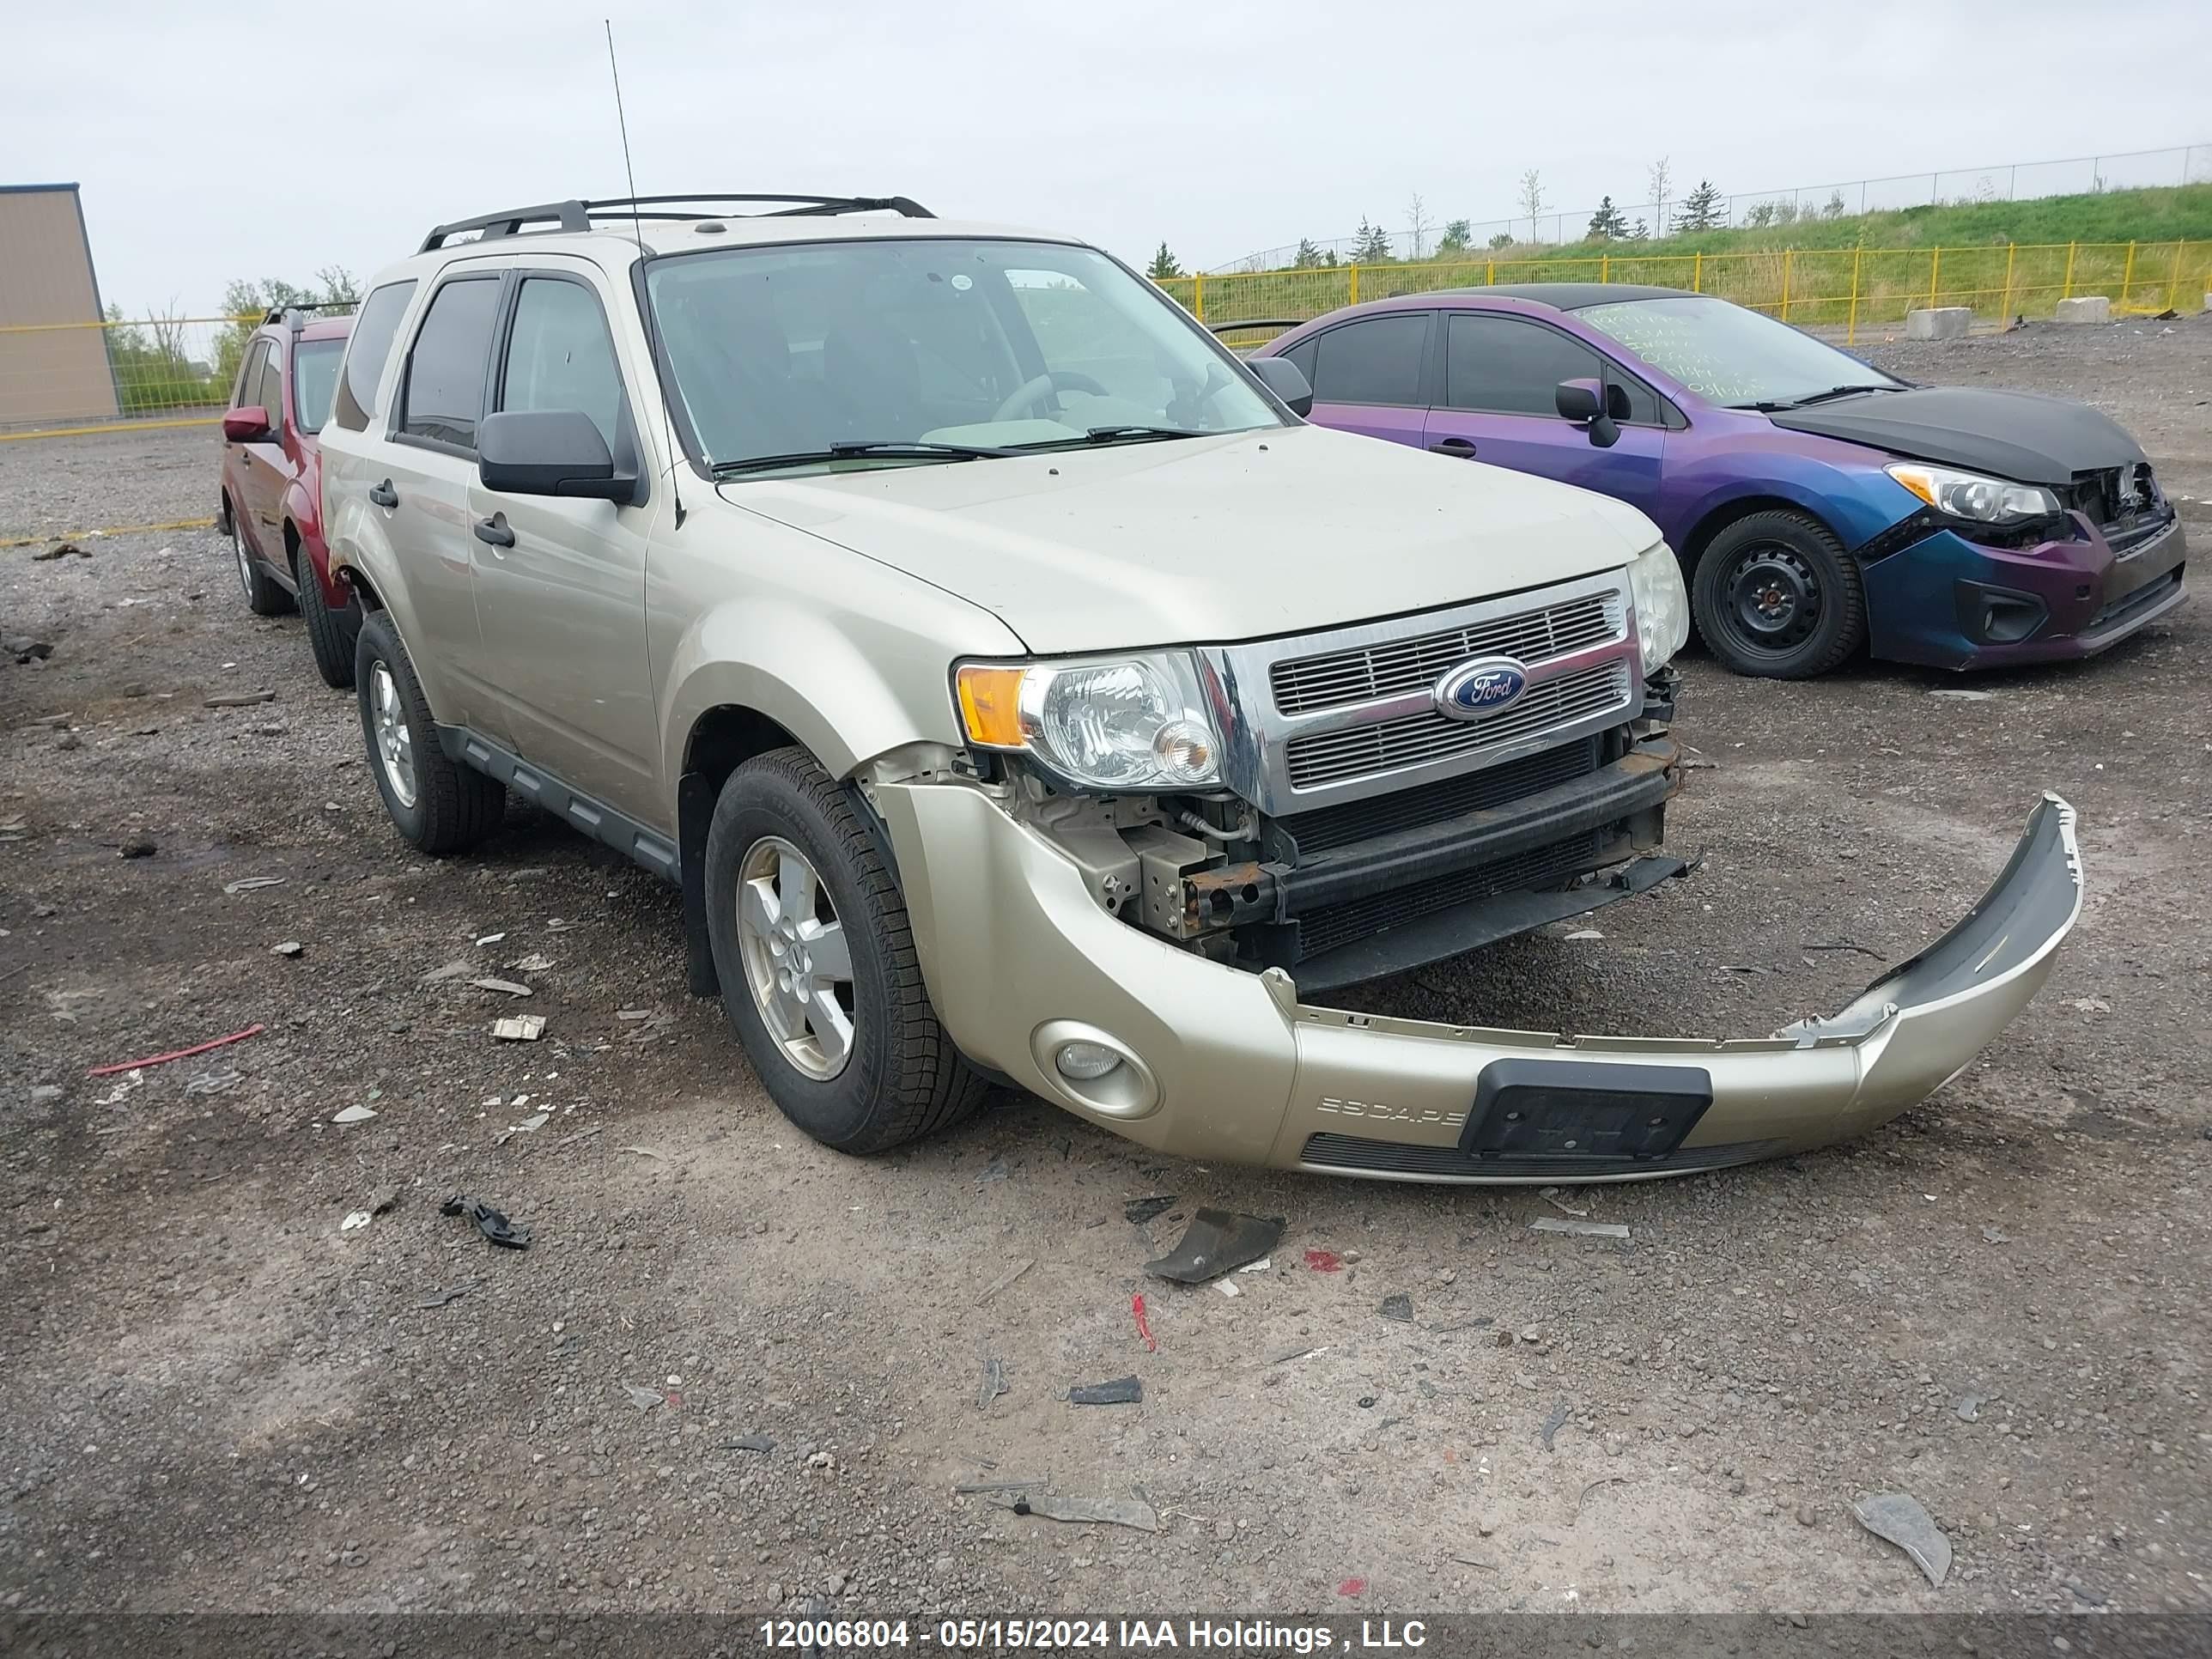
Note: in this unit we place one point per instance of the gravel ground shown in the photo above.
(214, 1395)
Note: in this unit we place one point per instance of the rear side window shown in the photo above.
(374, 331)
(1377, 361)
(249, 376)
(444, 396)
(560, 355)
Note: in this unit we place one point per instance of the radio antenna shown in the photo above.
(645, 294)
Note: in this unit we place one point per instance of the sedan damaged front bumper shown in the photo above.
(1220, 1063)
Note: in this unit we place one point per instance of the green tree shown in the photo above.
(1372, 246)
(335, 290)
(1458, 238)
(1310, 256)
(1164, 265)
(1504, 239)
(1607, 223)
(1641, 232)
(1701, 208)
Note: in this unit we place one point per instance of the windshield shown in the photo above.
(789, 351)
(314, 379)
(1730, 354)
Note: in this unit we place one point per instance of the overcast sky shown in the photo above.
(217, 142)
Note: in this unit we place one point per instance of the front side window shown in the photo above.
(1730, 355)
(560, 355)
(249, 377)
(1508, 366)
(374, 331)
(1375, 360)
(445, 389)
(271, 395)
(314, 378)
(788, 352)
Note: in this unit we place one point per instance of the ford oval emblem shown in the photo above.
(1476, 690)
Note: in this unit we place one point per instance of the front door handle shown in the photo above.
(384, 495)
(494, 532)
(1462, 448)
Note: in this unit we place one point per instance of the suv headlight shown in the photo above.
(1970, 495)
(1662, 605)
(1132, 725)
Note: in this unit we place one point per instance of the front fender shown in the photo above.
(848, 685)
(1849, 492)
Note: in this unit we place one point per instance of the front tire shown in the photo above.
(329, 640)
(264, 597)
(1775, 596)
(438, 804)
(819, 972)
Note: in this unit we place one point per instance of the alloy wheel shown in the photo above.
(797, 961)
(395, 741)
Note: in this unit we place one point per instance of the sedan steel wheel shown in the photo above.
(395, 741)
(797, 963)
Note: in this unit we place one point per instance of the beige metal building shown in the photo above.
(50, 373)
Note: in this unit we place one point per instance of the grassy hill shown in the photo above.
(2173, 213)
(2144, 249)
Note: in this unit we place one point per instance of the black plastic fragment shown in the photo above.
(492, 1223)
(754, 1442)
(1216, 1242)
(1399, 1307)
(1141, 1210)
(1122, 1391)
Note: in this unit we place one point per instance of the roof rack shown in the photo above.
(577, 215)
(294, 316)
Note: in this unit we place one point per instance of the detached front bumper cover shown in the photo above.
(1232, 1065)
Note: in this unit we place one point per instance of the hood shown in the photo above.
(2013, 434)
(1282, 530)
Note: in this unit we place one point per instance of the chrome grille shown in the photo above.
(1305, 685)
(1361, 751)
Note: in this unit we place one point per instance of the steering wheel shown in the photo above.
(1030, 393)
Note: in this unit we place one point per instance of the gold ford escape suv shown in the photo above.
(1020, 690)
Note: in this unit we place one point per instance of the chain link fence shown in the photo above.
(2010, 181)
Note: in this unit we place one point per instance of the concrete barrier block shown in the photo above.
(1939, 323)
(2089, 308)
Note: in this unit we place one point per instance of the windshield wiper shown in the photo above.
(1114, 434)
(1841, 391)
(892, 449)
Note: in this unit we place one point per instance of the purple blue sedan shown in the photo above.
(1819, 506)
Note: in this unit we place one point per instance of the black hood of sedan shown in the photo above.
(2011, 435)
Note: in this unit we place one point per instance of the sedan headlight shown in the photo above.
(1662, 606)
(1970, 495)
(1128, 723)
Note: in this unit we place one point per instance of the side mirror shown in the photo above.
(548, 452)
(1591, 405)
(247, 425)
(1286, 380)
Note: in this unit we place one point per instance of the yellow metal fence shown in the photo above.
(1855, 289)
(65, 376)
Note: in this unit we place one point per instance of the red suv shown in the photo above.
(271, 506)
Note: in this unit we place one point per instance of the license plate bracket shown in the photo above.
(1548, 1109)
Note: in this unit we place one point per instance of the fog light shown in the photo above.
(1085, 1061)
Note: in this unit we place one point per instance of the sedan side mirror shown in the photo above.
(1286, 380)
(1594, 406)
(548, 452)
(247, 425)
